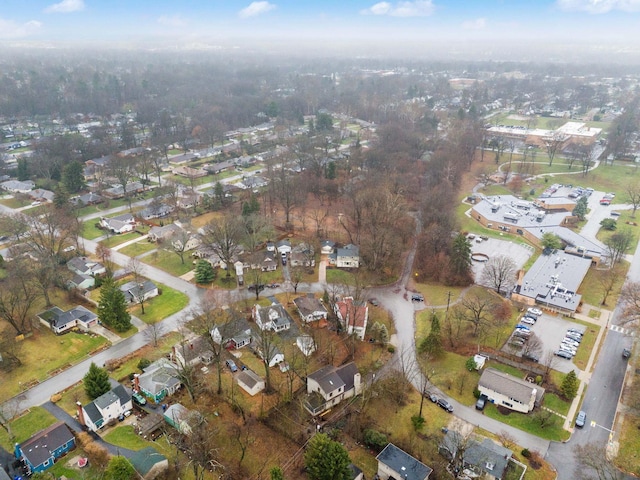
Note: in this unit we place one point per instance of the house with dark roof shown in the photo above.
(155, 211)
(192, 352)
(43, 449)
(84, 266)
(135, 292)
(274, 317)
(346, 257)
(94, 168)
(396, 464)
(302, 255)
(330, 385)
(107, 407)
(118, 192)
(353, 316)
(88, 199)
(16, 186)
(60, 321)
(509, 391)
(487, 458)
(149, 463)
(159, 380)
(311, 310)
(41, 195)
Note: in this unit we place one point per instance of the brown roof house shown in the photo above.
(311, 310)
(353, 316)
(330, 385)
(509, 391)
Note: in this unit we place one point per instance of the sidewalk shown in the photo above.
(125, 244)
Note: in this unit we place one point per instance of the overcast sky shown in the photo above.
(296, 23)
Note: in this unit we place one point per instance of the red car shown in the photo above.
(605, 201)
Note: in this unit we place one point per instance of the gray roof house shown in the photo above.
(84, 266)
(105, 408)
(120, 223)
(60, 321)
(274, 317)
(346, 257)
(159, 380)
(487, 457)
(395, 463)
(16, 186)
(135, 292)
(509, 391)
(330, 385)
(311, 309)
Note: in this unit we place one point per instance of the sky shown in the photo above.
(300, 24)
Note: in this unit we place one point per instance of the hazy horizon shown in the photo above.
(553, 30)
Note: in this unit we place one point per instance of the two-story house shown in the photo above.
(107, 407)
(330, 385)
(274, 317)
(353, 316)
(509, 391)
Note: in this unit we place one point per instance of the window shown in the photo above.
(510, 405)
(489, 465)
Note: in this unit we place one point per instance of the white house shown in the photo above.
(353, 316)
(509, 391)
(119, 224)
(250, 382)
(135, 292)
(347, 256)
(306, 344)
(311, 309)
(60, 321)
(274, 317)
(330, 385)
(105, 408)
(267, 351)
(192, 352)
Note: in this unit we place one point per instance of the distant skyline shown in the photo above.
(505, 26)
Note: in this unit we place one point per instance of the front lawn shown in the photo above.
(138, 248)
(591, 287)
(527, 422)
(162, 306)
(169, 262)
(628, 457)
(125, 436)
(557, 404)
(339, 276)
(90, 231)
(436, 294)
(43, 354)
(25, 426)
(115, 240)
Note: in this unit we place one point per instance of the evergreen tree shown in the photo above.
(23, 170)
(219, 193)
(460, 260)
(551, 241)
(73, 177)
(581, 208)
(96, 382)
(432, 345)
(326, 459)
(120, 468)
(276, 473)
(324, 122)
(251, 207)
(204, 273)
(60, 197)
(570, 385)
(112, 308)
(331, 171)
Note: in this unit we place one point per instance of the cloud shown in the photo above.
(599, 6)
(417, 8)
(10, 29)
(65, 6)
(172, 21)
(476, 24)
(255, 9)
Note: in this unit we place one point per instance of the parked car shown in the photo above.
(531, 357)
(523, 327)
(563, 354)
(442, 403)
(573, 336)
(482, 401)
(534, 311)
(570, 341)
(568, 348)
(139, 399)
(274, 285)
(626, 353)
(581, 419)
(431, 396)
(417, 297)
(231, 365)
(522, 334)
(253, 287)
(528, 320)
(575, 331)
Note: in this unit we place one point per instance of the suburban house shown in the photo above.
(60, 321)
(43, 449)
(274, 317)
(187, 199)
(509, 391)
(327, 247)
(306, 344)
(267, 351)
(219, 167)
(302, 255)
(395, 463)
(353, 316)
(88, 199)
(16, 186)
(182, 419)
(135, 292)
(94, 168)
(192, 352)
(119, 224)
(41, 195)
(311, 310)
(253, 182)
(107, 407)
(330, 385)
(118, 192)
(346, 257)
(487, 458)
(158, 380)
(269, 263)
(284, 247)
(84, 266)
(189, 172)
(149, 463)
(250, 382)
(155, 211)
(233, 335)
(165, 232)
(239, 340)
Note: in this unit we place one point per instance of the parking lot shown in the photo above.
(493, 247)
(550, 330)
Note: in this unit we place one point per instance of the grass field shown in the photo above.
(90, 231)
(628, 457)
(592, 290)
(36, 419)
(138, 248)
(44, 353)
(557, 404)
(160, 307)
(169, 262)
(528, 423)
(114, 240)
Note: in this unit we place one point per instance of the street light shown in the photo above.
(611, 432)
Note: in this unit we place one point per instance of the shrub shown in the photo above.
(525, 453)
(471, 364)
(391, 349)
(417, 421)
(374, 439)
(476, 393)
(143, 363)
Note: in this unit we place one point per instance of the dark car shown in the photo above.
(531, 357)
(626, 353)
(139, 399)
(563, 354)
(481, 403)
(254, 287)
(417, 297)
(581, 419)
(442, 403)
(274, 285)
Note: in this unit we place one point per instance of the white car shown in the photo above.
(527, 320)
(568, 348)
(534, 311)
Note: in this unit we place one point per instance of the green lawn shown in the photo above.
(628, 457)
(586, 345)
(169, 262)
(625, 222)
(437, 294)
(557, 404)
(125, 436)
(44, 353)
(90, 231)
(508, 369)
(606, 178)
(528, 423)
(339, 276)
(14, 202)
(450, 375)
(25, 426)
(138, 248)
(114, 240)
(591, 287)
(160, 307)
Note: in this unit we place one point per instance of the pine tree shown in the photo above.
(432, 345)
(460, 261)
(204, 273)
(276, 473)
(96, 382)
(73, 177)
(570, 385)
(326, 459)
(581, 208)
(112, 309)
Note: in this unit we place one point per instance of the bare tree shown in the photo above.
(630, 301)
(633, 196)
(136, 268)
(178, 242)
(608, 280)
(476, 310)
(593, 464)
(154, 332)
(500, 271)
(552, 143)
(223, 236)
(17, 295)
(456, 444)
(618, 244)
(532, 347)
(123, 169)
(549, 362)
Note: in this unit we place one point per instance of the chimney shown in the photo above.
(136, 382)
(80, 414)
